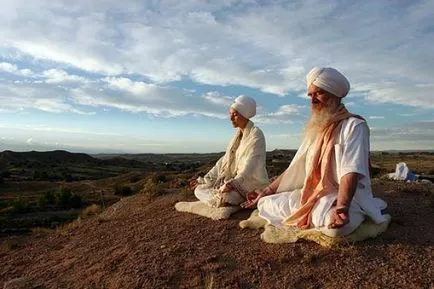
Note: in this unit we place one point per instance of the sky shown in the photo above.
(159, 76)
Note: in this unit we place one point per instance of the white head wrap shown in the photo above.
(328, 79)
(245, 105)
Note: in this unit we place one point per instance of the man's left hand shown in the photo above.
(339, 218)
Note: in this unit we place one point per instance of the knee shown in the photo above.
(233, 198)
(343, 231)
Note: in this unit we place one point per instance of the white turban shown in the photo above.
(328, 79)
(245, 105)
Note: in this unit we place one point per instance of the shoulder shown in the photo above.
(256, 132)
(352, 124)
(354, 130)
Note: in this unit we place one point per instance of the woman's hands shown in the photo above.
(193, 184)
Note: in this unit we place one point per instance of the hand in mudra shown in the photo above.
(339, 217)
(193, 184)
(253, 198)
(226, 188)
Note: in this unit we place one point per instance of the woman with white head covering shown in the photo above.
(242, 168)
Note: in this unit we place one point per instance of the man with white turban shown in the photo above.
(242, 168)
(327, 185)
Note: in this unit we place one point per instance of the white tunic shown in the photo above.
(351, 155)
(250, 170)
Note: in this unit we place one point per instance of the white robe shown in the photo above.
(351, 155)
(249, 168)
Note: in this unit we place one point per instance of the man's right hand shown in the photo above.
(253, 198)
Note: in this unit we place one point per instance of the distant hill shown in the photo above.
(165, 158)
(61, 157)
(62, 165)
(49, 157)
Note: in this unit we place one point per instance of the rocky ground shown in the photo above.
(138, 243)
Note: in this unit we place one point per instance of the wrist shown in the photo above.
(268, 191)
(342, 208)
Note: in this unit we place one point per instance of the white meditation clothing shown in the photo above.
(351, 155)
(246, 172)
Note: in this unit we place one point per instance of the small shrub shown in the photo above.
(20, 205)
(63, 197)
(123, 190)
(154, 190)
(66, 199)
(50, 198)
(159, 179)
(75, 201)
(134, 179)
(42, 202)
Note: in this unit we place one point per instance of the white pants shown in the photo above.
(276, 208)
(207, 196)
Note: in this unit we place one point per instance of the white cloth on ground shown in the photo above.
(402, 173)
(351, 154)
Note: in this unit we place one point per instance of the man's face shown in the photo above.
(321, 99)
(235, 117)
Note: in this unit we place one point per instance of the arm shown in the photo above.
(347, 189)
(211, 176)
(354, 167)
(213, 173)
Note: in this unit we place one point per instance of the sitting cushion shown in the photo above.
(271, 234)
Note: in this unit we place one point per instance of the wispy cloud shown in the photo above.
(12, 68)
(58, 76)
(284, 114)
(413, 135)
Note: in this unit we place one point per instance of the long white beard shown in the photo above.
(317, 123)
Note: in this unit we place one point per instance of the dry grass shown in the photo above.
(9, 245)
(67, 227)
(42, 230)
(91, 210)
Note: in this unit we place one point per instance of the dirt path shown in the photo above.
(150, 245)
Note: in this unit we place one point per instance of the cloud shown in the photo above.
(376, 117)
(216, 98)
(417, 135)
(137, 96)
(16, 97)
(284, 114)
(12, 68)
(58, 76)
(53, 129)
